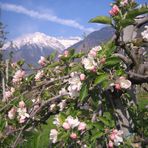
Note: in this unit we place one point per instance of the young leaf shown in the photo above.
(100, 78)
(101, 19)
(136, 12)
(84, 92)
(110, 62)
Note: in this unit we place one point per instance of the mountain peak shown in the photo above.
(42, 40)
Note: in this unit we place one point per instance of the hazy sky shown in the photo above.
(53, 17)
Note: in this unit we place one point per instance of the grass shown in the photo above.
(143, 100)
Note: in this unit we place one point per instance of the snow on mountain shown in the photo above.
(42, 40)
(69, 41)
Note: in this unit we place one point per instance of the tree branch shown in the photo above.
(137, 78)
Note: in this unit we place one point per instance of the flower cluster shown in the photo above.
(122, 83)
(42, 61)
(8, 94)
(75, 84)
(114, 11)
(39, 75)
(65, 54)
(145, 33)
(89, 61)
(70, 124)
(115, 138)
(124, 2)
(18, 76)
(21, 110)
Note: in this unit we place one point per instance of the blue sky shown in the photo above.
(53, 17)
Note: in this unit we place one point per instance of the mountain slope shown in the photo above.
(94, 39)
(31, 46)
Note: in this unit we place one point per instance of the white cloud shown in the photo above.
(44, 16)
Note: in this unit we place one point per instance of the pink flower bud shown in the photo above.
(112, 136)
(73, 136)
(82, 126)
(66, 53)
(114, 11)
(94, 69)
(93, 53)
(21, 104)
(7, 94)
(66, 126)
(21, 120)
(82, 77)
(12, 113)
(103, 60)
(117, 86)
(42, 61)
(110, 144)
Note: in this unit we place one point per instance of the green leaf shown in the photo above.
(52, 55)
(97, 135)
(136, 12)
(127, 22)
(110, 62)
(101, 19)
(104, 120)
(84, 92)
(100, 78)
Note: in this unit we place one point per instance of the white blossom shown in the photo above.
(53, 135)
(72, 122)
(63, 91)
(22, 114)
(89, 63)
(62, 105)
(74, 84)
(39, 75)
(57, 120)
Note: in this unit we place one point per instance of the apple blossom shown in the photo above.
(7, 94)
(53, 135)
(117, 86)
(94, 50)
(62, 105)
(66, 53)
(116, 137)
(89, 63)
(63, 91)
(103, 60)
(22, 114)
(124, 83)
(82, 77)
(75, 84)
(82, 126)
(124, 2)
(12, 113)
(42, 61)
(73, 136)
(52, 107)
(57, 120)
(72, 122)
(114, 11)
(39, 75)
(22, 104)
(110, 144)
(18, 76)
(66, 126)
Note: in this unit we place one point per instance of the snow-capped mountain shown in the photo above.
(31, 46)
(42, 40)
